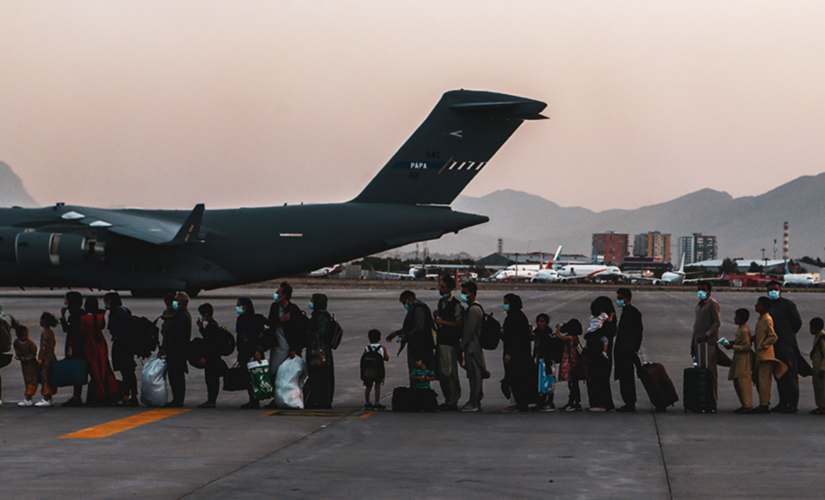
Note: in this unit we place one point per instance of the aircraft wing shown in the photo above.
(143, 226)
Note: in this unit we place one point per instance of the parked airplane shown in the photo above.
(576, 272)
(669, 277)
(153, 251)
(797, 279)
(327, 271)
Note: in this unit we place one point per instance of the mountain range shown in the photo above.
(743, 226)
(12, 192)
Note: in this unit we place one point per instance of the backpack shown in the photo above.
(5, 335)
(143, 335)
(225, 342)
(372, 365)
(337, 335)
(490, 331)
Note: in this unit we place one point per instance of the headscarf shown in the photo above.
(246, 301)
(74, 300)
(319, 303)
(514, 301)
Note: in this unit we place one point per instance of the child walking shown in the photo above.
(818, 364)
(372, 369)
(569, 361)
(767, 366)
(25, 350)
(548, 352)
(741, 370)
(47, 357)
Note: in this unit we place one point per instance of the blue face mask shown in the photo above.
(773, 294)
(620, 303)
(239, 309)
(203, 320)
(464, 298)
(407, 307)
(506, 307)
(445, 295)
(275, 296)
(702, 294)
(175, 305)
(311, 305)
(106, 306)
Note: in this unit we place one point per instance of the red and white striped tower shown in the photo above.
(786, 253)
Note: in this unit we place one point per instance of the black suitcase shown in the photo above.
(406, 399)
(659, 386)
(698, 385)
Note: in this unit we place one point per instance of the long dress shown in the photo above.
(320, 364)
(521, 373)
(598, 382)
(47, 357)
(103, 385)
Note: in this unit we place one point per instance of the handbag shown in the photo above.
(236, 378)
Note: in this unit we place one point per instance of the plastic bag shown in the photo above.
(153, 382)
(261, 380)
(289, 383)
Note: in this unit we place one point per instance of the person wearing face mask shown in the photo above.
(449, 320)
(706, 330)
(213, 366)
(287, 330)
(123, 357)
(416, 332)
(176, 346)
(786, 324)
(250, 343)
(519, 370)
(474, 361)
(73, 305)
(626, 349)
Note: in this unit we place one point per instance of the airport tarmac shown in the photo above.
(346, 453)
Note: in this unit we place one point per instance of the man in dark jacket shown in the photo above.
(176, 347)
(449, 321)
(786, 324)
(626, 349)
(417, 330)
(213, 366)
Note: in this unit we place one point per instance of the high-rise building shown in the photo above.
(698, 248)
(653, 244)
(610, 247)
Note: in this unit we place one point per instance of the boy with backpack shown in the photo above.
(471, 346)
(372, 369)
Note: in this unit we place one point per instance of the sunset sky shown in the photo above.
(252, 103)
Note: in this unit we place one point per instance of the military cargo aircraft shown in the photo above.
(150, 252)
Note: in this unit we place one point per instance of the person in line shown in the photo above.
(741, 369)
(7, 324)
(449, 321)
(569, 334)
(46, 357)
(167, 315)
(417, 330)
(767, 365)
(519, 369)
(474, 361)
(123, 352)
(249, 328)
(599, 338)
(707, 320)
(213, 365)
(287, 330)
(25, 351)
(787, 324)
(372, 370)
(319, 359)
(626, 350)
(103, 386)
(421, 376)
(176, 347)
(549, 348)
(818, 364)
(75, 343)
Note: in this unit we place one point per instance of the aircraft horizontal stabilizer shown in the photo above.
(143, 225)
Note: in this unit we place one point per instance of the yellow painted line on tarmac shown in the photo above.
(124, 424)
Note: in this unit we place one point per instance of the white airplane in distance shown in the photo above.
(576, 272)
(797, 279)
(669, 277)
(327, 271)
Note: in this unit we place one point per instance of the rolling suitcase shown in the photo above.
(406, 399)
(698, 385)
(68, 372)
(659, 386)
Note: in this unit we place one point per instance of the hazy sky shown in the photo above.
(171, 103)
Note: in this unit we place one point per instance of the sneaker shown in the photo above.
(596, 409)
(469, 407)
(368, 406)
(510, 409)
(574, 408)
(760, 410)
(547, 408)
(43, 403)
(378, 406)
(25, 402)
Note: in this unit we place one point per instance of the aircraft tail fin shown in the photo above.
(787, 270)
(454, 143)
(556, 259)
(682, 265)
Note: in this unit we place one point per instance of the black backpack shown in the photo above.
(5, 334)
(225, 342)
(143, 335)
(372, 365)
(490, 331)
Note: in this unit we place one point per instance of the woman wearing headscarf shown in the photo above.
(7, 323)
(599, 349)
(519, 369)
(123, 354)
(75, 345)
(320, 365)
(249, 328)
(103, 386)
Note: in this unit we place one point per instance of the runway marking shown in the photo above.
(338, 412)
(124, 424)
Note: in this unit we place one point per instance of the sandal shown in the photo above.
(818, 411)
